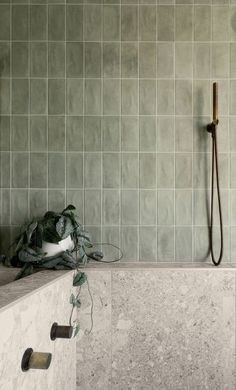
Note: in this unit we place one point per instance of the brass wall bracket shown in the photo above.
(61, 331)
(35, 360)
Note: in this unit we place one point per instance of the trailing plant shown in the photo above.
(53, 228)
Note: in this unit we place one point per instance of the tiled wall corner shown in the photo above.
(104, 104)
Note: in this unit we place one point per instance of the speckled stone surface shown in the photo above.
(166, 329)
(16, 290)
(94, 349)
(27, 323)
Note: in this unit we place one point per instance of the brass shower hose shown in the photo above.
(212, 128)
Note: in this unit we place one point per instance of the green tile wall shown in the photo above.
(104, 104)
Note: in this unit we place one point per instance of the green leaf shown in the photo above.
(72, 299)
(49, 232)
(85, 260)
(70, 207)
(26, 270)
(76, 329)
(79, 279)
(20, 243)
(75, 301)
(30, 230)
(64, 227)
(28, 255)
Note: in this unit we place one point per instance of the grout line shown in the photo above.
(84, 70)
(174, 146)
(65, 101)
(47, 120)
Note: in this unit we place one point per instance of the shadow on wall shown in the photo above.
(4, 230)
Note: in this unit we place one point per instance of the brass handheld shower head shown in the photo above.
(215, 103)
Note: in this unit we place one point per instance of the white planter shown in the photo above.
(55, 249)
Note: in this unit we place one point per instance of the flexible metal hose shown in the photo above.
(215, 170)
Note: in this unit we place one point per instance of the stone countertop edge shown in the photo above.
(12, 293)
(93, 265)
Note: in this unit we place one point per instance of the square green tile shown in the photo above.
(165, 23)
(19, 133)
(111, 133)
(56, 96)
(74, 97)
(111, 208)
(129, 97)
(184, 23)
(147, 23)
(38, 170)
(56, 133)
(148, 207)
(92, 97)
(56, 22)
(4, 22)
(20, 96)
(5, 97)
(74, 133)
(147, 243)
(93, 57)
(129, 59)
(165, 97)
(38, 133)
(130, 170)
(111, 23)
(129, 207)
(111, 170)
(92, 170)
(38, 22)
(20, 171)
(111, 59)
(147, 133)
(147, 97)
(92, 133)
(38, 96)
(93, 22)
(5, 170)
(38, 203)
(56, 170)
(202, 23)
(56, 59)
(74, 59)
(74, 170)
(165, 207)
(20, 22)
(129, 133)
(74, 22)
(111, 96)
(56, 200)
(165, 170)
(147, 170)
(5, 133)
(147, 60)
(165, 60)
(19, 207)
(129, 23)
(38, 59)
(92, 209)
(5, 59)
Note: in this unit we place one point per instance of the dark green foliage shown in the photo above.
(79, 279)
(53, 227)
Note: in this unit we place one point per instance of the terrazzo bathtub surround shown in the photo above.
(158, 329)
(104, 105)
(28, 308)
